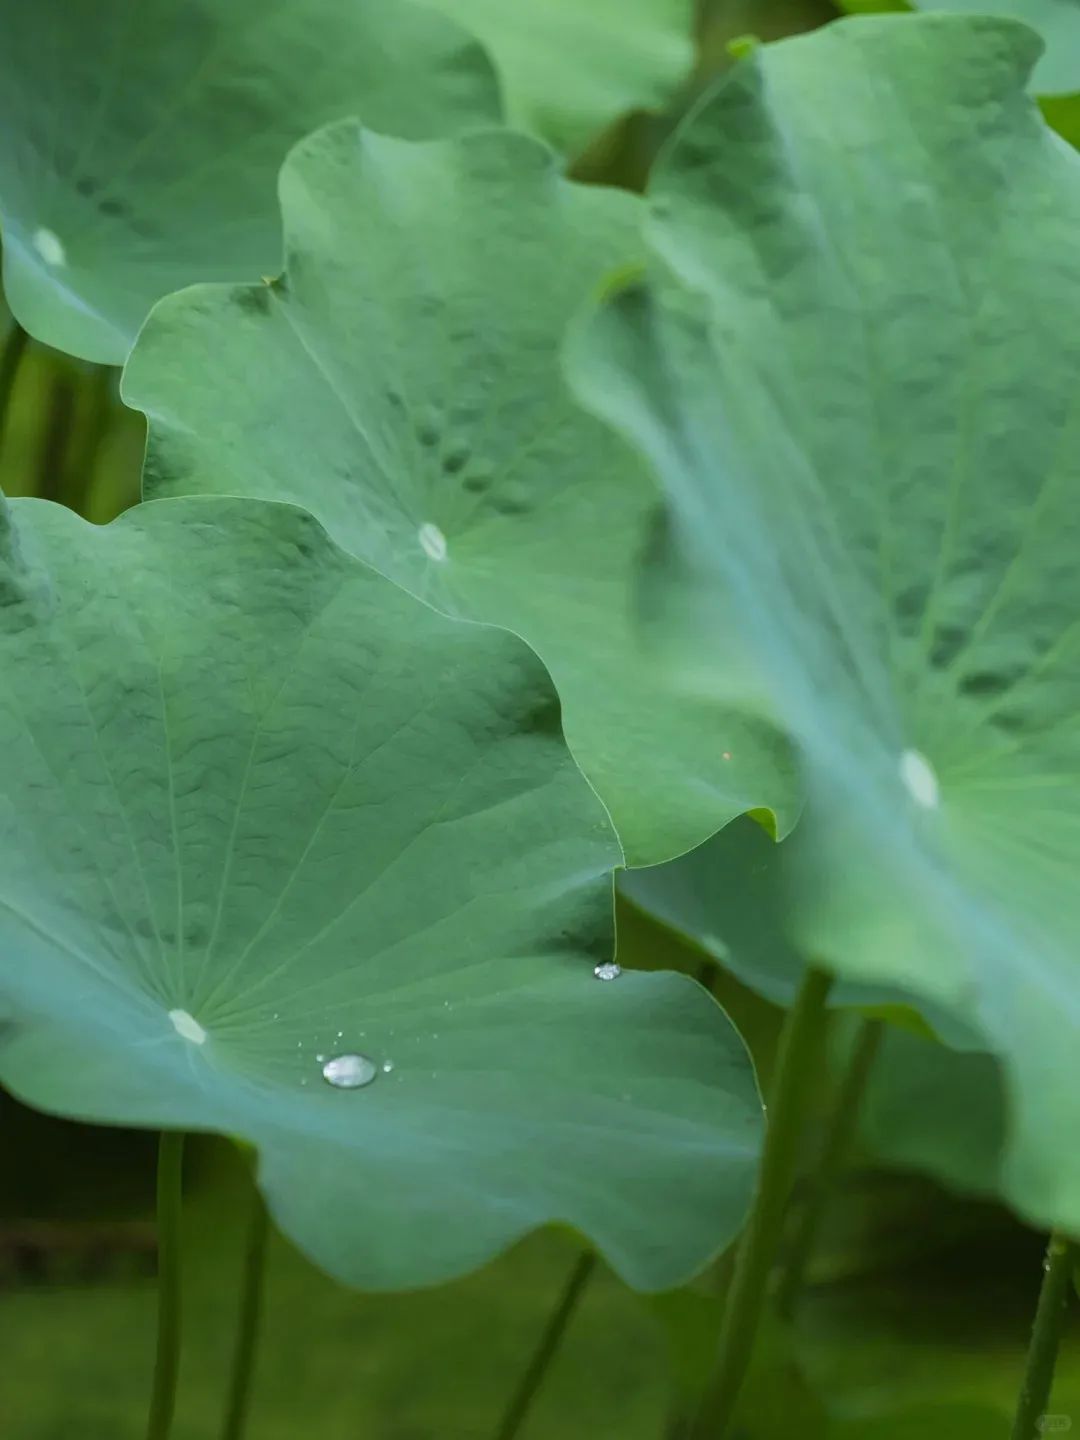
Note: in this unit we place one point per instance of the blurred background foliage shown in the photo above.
(915, 1318)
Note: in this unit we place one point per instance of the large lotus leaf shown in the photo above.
(262, 810)
(730, 897)
(402, 381)
(930, 1108)
(734, 897)
(139, 144)
(568, 69)
(1056, 71)
(856, 367)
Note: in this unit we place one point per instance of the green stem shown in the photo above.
(522, 1399)
(96, 390)
(167, 1362)
(56, 436)
(757, 1247)
(10, 360)
(247, 1334)
(834, 1151)
(1061, 1256)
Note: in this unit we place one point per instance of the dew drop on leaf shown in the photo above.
(349, 1072)
(607, 971)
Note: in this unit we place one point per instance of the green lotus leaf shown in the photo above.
(855, 367)
(1056, 71)
(402, 382)
(268, 819)
(140, 143)
(729, 897)
(735, 897)
(569, 69)
(930, 1108)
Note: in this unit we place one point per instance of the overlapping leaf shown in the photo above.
(1057, 22)
(402, 382)
(261, 809)
(139, 144)
(857, 371)
(569, 69)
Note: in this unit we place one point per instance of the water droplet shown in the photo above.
(349, 1072)
(320, 1058)
(188, 1027)
(432, 541)
(919, 779)
(50, 247)
(607, 971)
(388, 1065)
(726, 755)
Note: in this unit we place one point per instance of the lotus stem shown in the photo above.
(1061, 1257)
(169, 1218)
(247, 1333)
(10, 361)
(799, 1043)
(834, 1151)
(530, 1383)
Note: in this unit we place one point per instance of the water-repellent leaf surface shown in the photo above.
(1056, 71)
(569, 69)
(855, 370)
(262, 810)
(139, 143)
(402, 381)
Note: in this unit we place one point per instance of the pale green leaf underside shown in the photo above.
(730, 897)
(139, 144)
(857, 371)
(402, 382)
(568, 69)
(1057, 22)
(244, 778)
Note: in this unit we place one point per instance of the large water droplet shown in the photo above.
(188, 1027)
(607, 971)
(349, 1072)
(432, 541)
(919, 779)
(49, 246)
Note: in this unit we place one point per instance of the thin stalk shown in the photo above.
(96, 392)
(247, 1333)
(523, 1397)
(167, 1362)
(834, 1151)
(1061, 1256)
(10, 359)
(758, 1245)
(56, 437)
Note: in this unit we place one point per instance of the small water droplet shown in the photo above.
(387, 1066)
(49, 246)
(607, 971)
(349, 1072)
(432, 541)
(919, 779)
(320, 1058)
(726, 755)
(187, 1027)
